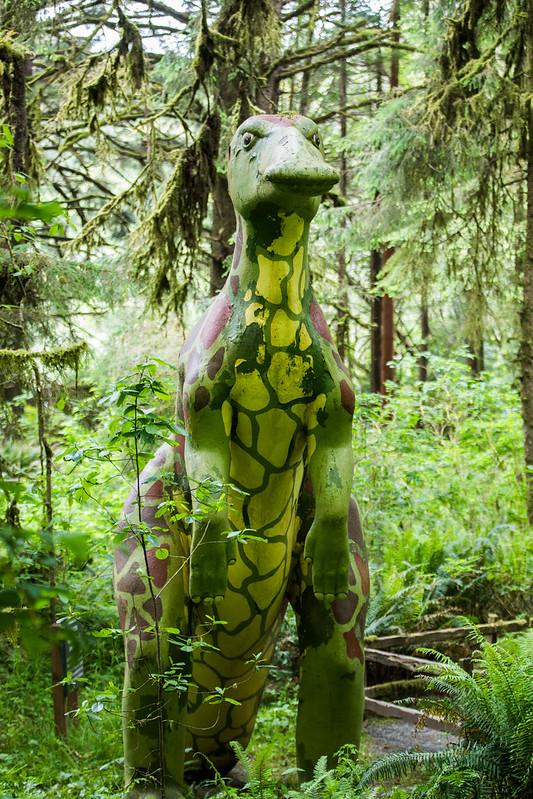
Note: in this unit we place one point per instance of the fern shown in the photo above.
(260, 780)
(341, 782)
(494, 704)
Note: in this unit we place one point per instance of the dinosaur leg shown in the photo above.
(234, 663)
(151, 598)
(331, 697)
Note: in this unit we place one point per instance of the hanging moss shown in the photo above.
(103, 78)
(130, 50)
(249, 28)
(16, 362)
(205, 49)
(167, 242)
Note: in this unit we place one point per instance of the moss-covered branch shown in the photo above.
(20, 361)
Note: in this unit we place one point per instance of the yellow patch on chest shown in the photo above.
(305, 339)
(276, 431)
(271, 273)
(282, 329)
(255, 312)
(244, 429)
(292, 228)
(289, 376)
(312, 409)
(295, 288)
(250, 391)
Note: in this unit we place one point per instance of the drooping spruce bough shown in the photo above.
(268, 408)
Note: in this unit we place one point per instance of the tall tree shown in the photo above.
(342, 327)
(526, 315)
(387, 301)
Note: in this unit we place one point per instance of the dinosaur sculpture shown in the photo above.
(268, 408)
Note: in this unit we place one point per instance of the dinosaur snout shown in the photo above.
(311, 182)
(298, 166)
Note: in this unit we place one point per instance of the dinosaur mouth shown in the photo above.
(310, 185)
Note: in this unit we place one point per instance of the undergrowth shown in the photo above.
(439, 482)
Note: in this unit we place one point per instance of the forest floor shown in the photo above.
(381, 736)
(384, 736)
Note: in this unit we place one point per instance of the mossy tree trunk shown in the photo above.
(526, 317)
(235, 86)
(387, 331)
(424, 335)
(387, 302)
(375, 268)
(306, 77)
(16, 65)
(375, 324)
(343, 318)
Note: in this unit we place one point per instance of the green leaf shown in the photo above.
(8, 136)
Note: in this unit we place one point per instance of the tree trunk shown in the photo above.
(375, 322)
(15, 69)
(387, 331)
(375, 268)
(476, 358)
(387, 302)
(232, 87)
(306, 77)
(526, 316)
(223, 227)
(343, 323)
(395, 54)
(424, 335)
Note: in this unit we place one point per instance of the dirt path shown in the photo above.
(391, 735)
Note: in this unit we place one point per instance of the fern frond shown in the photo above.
(259, 777)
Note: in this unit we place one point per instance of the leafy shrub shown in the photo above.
(439, 483)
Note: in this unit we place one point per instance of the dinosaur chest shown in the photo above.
(268, 403)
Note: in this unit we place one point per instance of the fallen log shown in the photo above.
(494, 629)
(407, 662)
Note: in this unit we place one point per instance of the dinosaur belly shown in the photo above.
(266, 469)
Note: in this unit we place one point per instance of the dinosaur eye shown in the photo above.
(315, 138)
(248, 139)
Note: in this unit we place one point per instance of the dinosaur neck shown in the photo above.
(270, 265)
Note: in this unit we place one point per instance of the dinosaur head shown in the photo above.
(278, 160)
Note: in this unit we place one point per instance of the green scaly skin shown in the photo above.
(268, 409)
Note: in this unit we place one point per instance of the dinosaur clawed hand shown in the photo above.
(212, 552)
(326, 548)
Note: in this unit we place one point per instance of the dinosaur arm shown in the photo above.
(207, 458)
(331, 472)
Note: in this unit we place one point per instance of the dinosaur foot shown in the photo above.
(149, 791)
